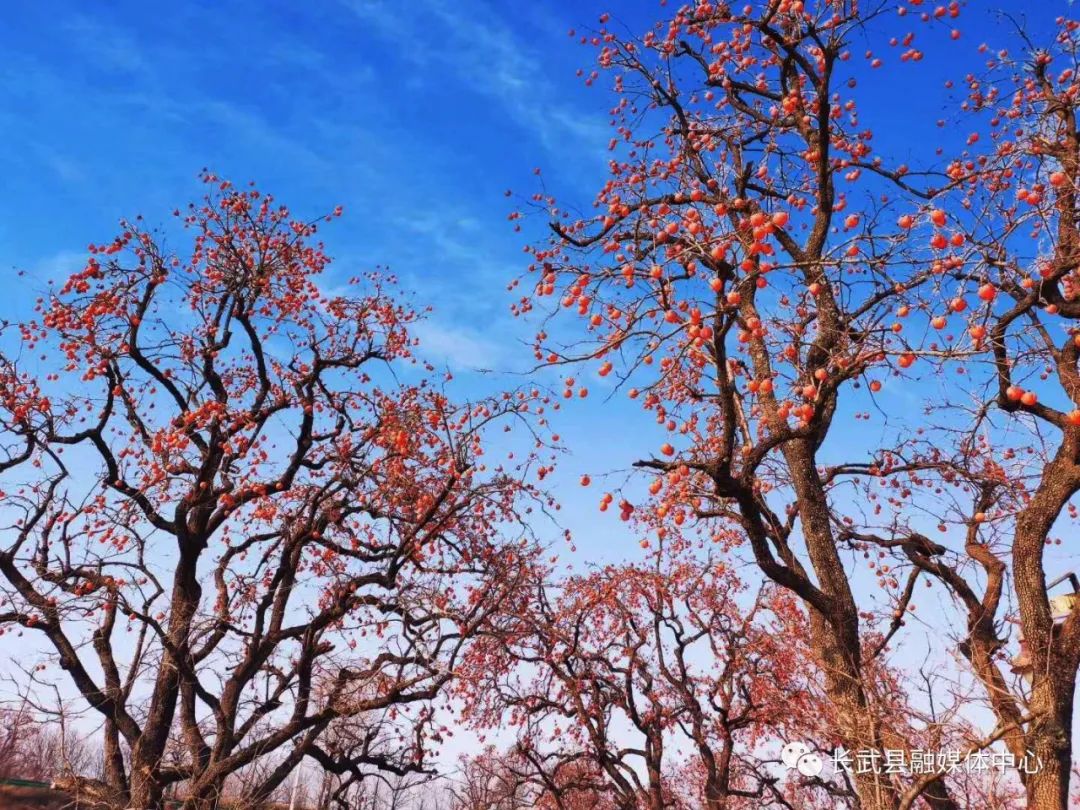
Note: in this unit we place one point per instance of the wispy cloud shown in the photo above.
(470, 40)
(59, 266)
(453, 236)
(109, 45)
(458, 347)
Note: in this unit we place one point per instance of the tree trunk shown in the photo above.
(937, 797)
(1054, 658)
(1050, 740)
(835, 637)
(858, 728)
(146, 788)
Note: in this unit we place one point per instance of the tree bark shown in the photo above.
(1054, 661)
(835, 637)
(147, 788)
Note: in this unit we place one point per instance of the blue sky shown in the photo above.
(416, 121)
(416, 117)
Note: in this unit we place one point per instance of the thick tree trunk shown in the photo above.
(147, 790)
(717, 774)
(836, 637)
(858, 727)
(113, 760)
(1054, 660)
(654, 765)
(1050, 740)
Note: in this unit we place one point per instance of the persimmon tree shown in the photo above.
(1014, 211)
(240, 515)
(648, 687)
(765, 283)
(509, 780)
(490, 780)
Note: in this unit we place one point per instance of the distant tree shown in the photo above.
(40, 749)
(648, 686)
(240, 511)
(490, 781)
(766, 284)
(512, 780)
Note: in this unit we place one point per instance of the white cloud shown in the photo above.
(450, 235)
(458, 347)
(59, 266)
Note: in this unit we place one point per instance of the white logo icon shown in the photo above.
(798, 755)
